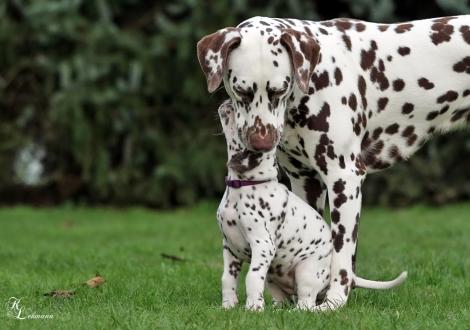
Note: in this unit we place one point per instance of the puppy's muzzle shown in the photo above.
(262, 138)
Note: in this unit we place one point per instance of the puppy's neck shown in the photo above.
(244, 164)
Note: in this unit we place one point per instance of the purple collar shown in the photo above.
(242, 183)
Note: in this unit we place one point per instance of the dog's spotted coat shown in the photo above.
(286, 242)
(340, 99)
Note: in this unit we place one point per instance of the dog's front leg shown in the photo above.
(305, 183)
(232, 267)
(311, 189)
(344, 194)
(262, 253)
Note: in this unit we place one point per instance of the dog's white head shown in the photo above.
(260, 66)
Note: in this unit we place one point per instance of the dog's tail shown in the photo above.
(368, 284)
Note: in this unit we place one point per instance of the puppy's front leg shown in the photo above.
(232, 267)
(262, 253)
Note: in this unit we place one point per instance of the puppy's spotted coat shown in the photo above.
(340, 99)
(286, 242)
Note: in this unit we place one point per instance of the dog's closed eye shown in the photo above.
(247, 96)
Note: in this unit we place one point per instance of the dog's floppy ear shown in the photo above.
(304, 52)
(212, 53)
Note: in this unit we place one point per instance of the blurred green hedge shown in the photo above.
(109, 93)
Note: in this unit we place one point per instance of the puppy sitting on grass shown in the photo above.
(287, 243)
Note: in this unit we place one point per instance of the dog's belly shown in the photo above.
(391, 138)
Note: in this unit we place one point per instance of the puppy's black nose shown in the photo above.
(260, 142)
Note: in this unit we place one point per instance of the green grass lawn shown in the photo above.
(46, 249)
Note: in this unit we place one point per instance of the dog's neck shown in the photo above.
(244, 164)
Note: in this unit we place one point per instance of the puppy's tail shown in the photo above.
(368, 284)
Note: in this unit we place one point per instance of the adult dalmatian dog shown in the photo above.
(340, 99)
(287, 243)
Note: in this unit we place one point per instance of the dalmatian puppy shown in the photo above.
(286, 242)
(339, 99)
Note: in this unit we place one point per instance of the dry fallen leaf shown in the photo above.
(95, 281)
(171, 257)
(67, 224)
(60, 294)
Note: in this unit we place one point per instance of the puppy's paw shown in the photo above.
(279, 304)
(306, 304)
(229, 302)
(255, 305)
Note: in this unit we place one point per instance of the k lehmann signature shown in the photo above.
(17, 311)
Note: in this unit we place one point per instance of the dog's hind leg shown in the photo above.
(310, 280)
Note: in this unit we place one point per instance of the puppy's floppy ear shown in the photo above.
(304, 52)
(226, 112)
(212, 53)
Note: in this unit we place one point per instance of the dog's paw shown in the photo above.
(335, 299)
(328, 306)
(255, 305)
(229, 302)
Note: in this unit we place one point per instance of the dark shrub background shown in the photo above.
(108, 95)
